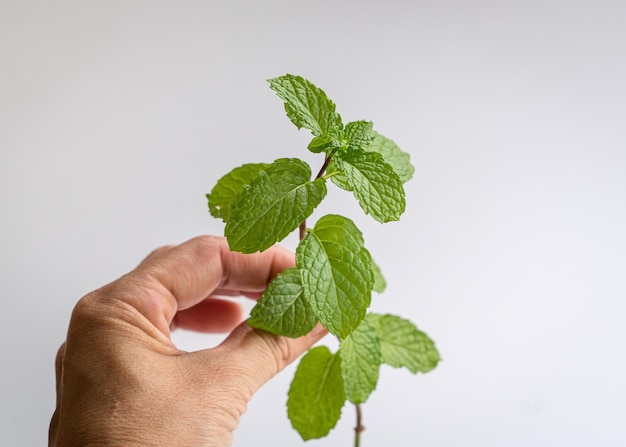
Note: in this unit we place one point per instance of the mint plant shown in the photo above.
(332, 283)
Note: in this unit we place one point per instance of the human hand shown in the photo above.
(122, 382)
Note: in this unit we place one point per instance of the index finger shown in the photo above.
(183, 276)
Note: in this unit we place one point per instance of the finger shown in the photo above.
(236, 293)
(262, 355)
(181, 277)
(58, 369)
(211, 315)
(157, 252)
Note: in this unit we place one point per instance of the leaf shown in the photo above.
(399, 160)
(325, 143)
(316, 394)
(360, 362)
(358, 135)
(403, 345)
(379, 280)
(336, 273)
(230, 186)
(282, 309)
(274, 205)
(374, 183)
(307, 106)
(338, 177)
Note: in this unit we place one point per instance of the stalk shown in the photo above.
(320, 174)
(359, 426)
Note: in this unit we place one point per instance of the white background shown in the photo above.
(116, 117)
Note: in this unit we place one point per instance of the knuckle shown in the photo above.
(100, 306)
(85, 308)
(156, 252)
(207, 242)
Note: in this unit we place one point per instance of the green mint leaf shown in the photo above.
(325, 143)
(360, 362)
(282, 309)
(336, 273)
(307, 106)
(399, 160)
(403, 345)
(273, 205)
(230, 186)
(358, 135)
(338, 177)
(380, 284)
(316, 394)
(374, 183)
(321, 143)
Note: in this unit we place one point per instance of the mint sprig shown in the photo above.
(334, 277)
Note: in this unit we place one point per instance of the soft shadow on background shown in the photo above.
(116, 117)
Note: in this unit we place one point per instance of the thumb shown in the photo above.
(263, 355)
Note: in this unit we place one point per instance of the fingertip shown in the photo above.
(318, 332)
(262, 355)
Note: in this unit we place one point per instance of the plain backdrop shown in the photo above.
(117, 117)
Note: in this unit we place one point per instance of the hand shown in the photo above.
(122, 382)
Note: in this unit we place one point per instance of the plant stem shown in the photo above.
(359, 426)
(321, 172)
(302, 229)
(329, 157)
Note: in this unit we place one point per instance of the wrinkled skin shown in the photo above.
(122, 382)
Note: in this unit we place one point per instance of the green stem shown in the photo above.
(359, 426)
